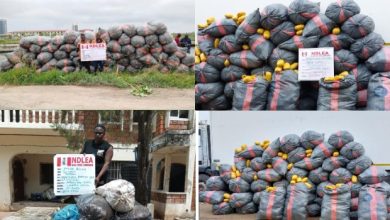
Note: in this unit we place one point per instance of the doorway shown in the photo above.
(177, 178)
(18, 179)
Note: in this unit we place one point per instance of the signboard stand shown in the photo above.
(74, 174)
(315, 63)
(92, 52)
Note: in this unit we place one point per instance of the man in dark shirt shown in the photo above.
(86, 64)
(103, 152)
(186, 42)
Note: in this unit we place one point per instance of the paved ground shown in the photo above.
(5, 214)
(96, 98)
(206, 214)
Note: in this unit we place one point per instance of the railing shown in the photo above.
(38, 118)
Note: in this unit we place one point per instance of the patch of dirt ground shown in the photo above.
(96, 98)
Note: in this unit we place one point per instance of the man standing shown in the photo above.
(186, 42)
(103, 152)
(86, 64)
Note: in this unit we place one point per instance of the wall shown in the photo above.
(231, 129)
(32, 172)
(377, 10)
(174, 208)
(6, 156)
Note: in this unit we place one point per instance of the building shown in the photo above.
(75, 27)
(51, 33)
(173, 163)
(28, 144)
(3, 26)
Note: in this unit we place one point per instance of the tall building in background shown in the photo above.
(75, 27)
(3, 26)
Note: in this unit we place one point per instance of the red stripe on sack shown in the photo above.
(248, 97)
(333, 207)
(278, 162)
(271, 152)
(340, 142)
(308, 14)
(386, 99)
(387, 60)
(202, 74)
(324, 29)
(229, 46)
(290, 203)
(373, 202)
(316, 142)
(148, 60)
(374, 174)
(251, 152)
(362, 31)
(342, 15)
(243, 59)
(289, 33)
(358, 170)
(267, 174)
(271, 201)
(298, 42)
(335, 162)
(335, 42)
(324, 149)
(208, 196)
(275, 97)
(203, 99)
(334, 96)
(237, 189)
(355, 73)
(350, 65)
(220, 27)
(308, 163)
(365, 53)
(249, 29)
(232, 77)
(257, 42)
(69, 161)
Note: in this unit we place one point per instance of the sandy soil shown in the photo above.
(92, 98)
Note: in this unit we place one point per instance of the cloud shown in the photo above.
(178, 15)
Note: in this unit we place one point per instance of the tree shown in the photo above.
(145, 131)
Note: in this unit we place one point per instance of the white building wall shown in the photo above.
(6, 156)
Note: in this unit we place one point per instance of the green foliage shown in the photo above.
(141, 91)
(148, 77)
(74, 134)
(9, 41)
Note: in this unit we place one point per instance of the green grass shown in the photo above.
(9, 41)
(148, 77)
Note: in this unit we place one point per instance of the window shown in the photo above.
(179, 115)
(111, 117)
(46, 173)
(160, 169)
(177, 178)
(114, 170)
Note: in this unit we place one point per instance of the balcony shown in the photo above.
(41, 119)
(172, 138)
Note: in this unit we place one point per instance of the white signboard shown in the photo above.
(315, 63)
(91, 52)
(74, 174)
